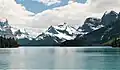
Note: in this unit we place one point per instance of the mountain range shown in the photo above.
(54, 35)
(94, 31)
(108, 30)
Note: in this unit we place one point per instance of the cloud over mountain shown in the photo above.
(74, 13)
(69, 12)
(14, 12)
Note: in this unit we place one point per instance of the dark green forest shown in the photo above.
(115, 42)
(8, 42)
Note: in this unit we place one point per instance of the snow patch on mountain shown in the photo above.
(22, 33)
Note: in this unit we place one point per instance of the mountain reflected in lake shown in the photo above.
(60, 58)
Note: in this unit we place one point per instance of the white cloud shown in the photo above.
(15, 13)
(103, 5)
(50, 2)
(74, 13)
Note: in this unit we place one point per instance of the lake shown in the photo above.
(83, 58)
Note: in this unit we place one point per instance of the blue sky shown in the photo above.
(37, 7)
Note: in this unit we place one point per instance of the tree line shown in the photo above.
(8, 42)
(116, 42)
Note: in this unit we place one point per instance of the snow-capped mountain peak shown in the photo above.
(61, 28)
(59, 33)
(21, 34)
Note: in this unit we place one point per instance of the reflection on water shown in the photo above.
(60, 58)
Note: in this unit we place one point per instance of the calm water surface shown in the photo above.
(60, 58)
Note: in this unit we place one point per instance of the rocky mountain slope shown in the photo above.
(110, 28)
(54, 35)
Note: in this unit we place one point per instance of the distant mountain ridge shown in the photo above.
(8, 31)
(54, 35)
(110, 29)
(94, 31)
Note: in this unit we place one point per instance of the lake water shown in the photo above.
(83, 58)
